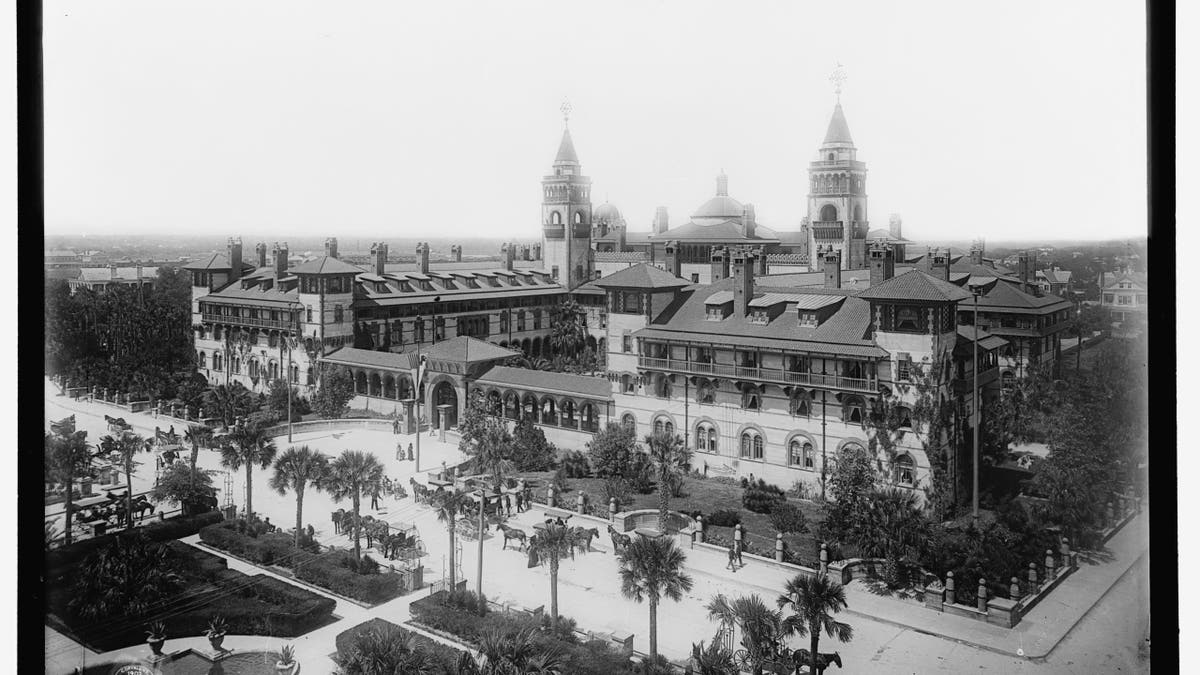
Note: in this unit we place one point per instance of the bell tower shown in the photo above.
(567, 215)
(837, 191)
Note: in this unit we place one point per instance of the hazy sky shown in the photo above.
(1004, 120)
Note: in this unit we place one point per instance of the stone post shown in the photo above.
(579, 503)
(950, 597)
(981, 596)
(105, 397)
(550, 495)
(934, 595)
(1111, 521)
(1014, 590)
(1049, 565)
(1033, 580)
(443, 421)
(824, 559)
(700, 529)
(612, 509)
(778, 547)
(95, 391)
(1065, 550)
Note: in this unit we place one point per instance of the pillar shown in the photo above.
(550, 495)
(1033, 580)
(612, 509)
(1049, 565)
(824, 559)
(410, 418)
(1014, 590)
(700, 529)
(778, 547)
(1065, 550)
(950, 597)
(1112, 515)
(981, 596)
(443, 421)
(579, 503)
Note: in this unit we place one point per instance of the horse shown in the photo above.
(338, 517)
(141, 505)
(619, 539)
(801, 657)
(513, 533)
(582, 537)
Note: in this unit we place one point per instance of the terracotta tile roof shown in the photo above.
(916, 285)
(544, 381)
(1007, 297)
(461, 348)
(235, 294)
(620, 256)
(351, 356)
(641, 276)
(326, 265)
(966, 338)
(216, 261)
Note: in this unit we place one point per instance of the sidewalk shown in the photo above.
(1038, 633)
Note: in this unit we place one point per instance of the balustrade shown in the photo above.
(776, 375)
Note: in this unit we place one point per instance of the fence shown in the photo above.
(332, 425)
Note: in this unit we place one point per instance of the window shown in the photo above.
(903, 366)
(907, 318)
(579, 217)
(800, 406)
(905, 470)
(705, 393)
(629, 422)
(627, 384)
(504, 321)
(662, 387)
(853, 410)
(905, 416)
(520, 319)
(554, 272)
(555, 218)
(626, 343)
(706, 437)
(750, 399)
(1124, 300)
(537, 319)
(439, 328)
(663, 425)
(800, 453)
(337, 314)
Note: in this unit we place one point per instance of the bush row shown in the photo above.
(332, 570)
(593, 658)
(171, 528)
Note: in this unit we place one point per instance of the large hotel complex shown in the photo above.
(768, 350)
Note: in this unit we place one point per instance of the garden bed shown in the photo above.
(251, 605)
(331, 570)
(66, 557)
(705, 495)
(437, 613)
(447, 657)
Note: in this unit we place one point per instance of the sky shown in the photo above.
(376, 119)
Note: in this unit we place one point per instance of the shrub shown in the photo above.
(559, 481)
(762, 497)
(171, 528)
(446, 656)
(575, 464)
(788, 518)
(619, 489)
(641, 473)
(723, 518)
(611, 450)
(802, 490)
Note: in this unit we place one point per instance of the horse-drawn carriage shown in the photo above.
(117, 424)
(779, 660)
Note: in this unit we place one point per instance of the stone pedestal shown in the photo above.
(409, 420)
(443, 420)
(934, 596)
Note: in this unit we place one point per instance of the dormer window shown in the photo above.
(808, 319)
(760, 317)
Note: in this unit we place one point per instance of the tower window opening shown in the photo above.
(831, 157)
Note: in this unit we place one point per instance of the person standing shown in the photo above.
(732, 558)
(518, 502)
(375, 500)
(737, 551)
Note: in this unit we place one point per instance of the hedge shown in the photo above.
(593, 658)
(330, 570)
(251, 605)
(171, 528)
(445, 655)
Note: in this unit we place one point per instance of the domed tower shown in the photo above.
(567, 216)
(608, 228)
(837, 196)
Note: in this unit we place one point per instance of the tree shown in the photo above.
(850, 484)
(248, 444)
(67, 458)
(761, 626)
(652, 568)
(278, 397)
(198, 435)
(891, 527)
(716, 659)
(671, 459)
(486, 440)
(124, 579)
(814, 600)
(229, 402)
(531, 450)
(1089, 319)
(552, 543)
(386, 651)
(354, 474)
(447, 504)
(611, 451)
(182, 484)
(126, 445)
(296, 469)
(332, 399)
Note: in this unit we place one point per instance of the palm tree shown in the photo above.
(248, 444)
(295, 469)
(447, 505)
(391, 650)
(891, 527)
(127, 445)
(198, 435)
(354, 474)
(814, 600)
(516, 653)
(651, 568)
(67, 457)
(228, 401)
(761, 626)
(671, 458)
(715, 659)
(552, 542)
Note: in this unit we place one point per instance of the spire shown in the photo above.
(566, 150)
(839, 130)
(722, 184)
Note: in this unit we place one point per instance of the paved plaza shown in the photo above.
(1086, 626)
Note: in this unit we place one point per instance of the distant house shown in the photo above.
(1123, 295)
(1055, 281)
(101, 279)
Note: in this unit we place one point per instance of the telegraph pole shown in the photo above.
(975, 405)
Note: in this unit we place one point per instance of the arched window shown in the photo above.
(752, 445)
(579, 217)
(629, 422)
(831, 156)
(706, 437)
(905, 416)
(853, 411)
(627, 384)
(828, 213)
(800, 453)
(663, 425)
(750, 399)
(555, 218)
(905, 470)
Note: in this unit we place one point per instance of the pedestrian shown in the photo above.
(508, 505)
(267, 524)
(519, 502)
(732, 557)
(410, 453)
(375, 500)
(737, 550)
(706, 468)
(311, 532)
(396, 427)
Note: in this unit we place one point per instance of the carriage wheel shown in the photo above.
(741, 659)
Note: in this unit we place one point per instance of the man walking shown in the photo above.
(375, 500)
(732, 557)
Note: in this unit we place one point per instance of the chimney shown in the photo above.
(537, 251)
(456, 253)
(261, 251)
(743, 280)
(939, 265)
(620, 237)
(1023, 269)
(112, 271)
(506, 255)
(235, 258)
(883, 263)
(380, 251)
(977, 253)
(331, 247)
(423, 257)
(895, 226)
(661, 222)
(720, 263)
(281, 260)
(525, 252)
(760, 261)
(748, 220)
(833, 268)
(673, 264)
(817, 259)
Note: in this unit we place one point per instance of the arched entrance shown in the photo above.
(444, 394)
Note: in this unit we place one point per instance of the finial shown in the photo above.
(566, 111)
(837, 78)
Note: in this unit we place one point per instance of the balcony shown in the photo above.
(828, 230)
(275, 324)
(755, 374)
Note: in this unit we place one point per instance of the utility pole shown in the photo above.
(823, 470)
(479, 570)
(975, 405)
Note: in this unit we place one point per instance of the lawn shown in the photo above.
(705, 495)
